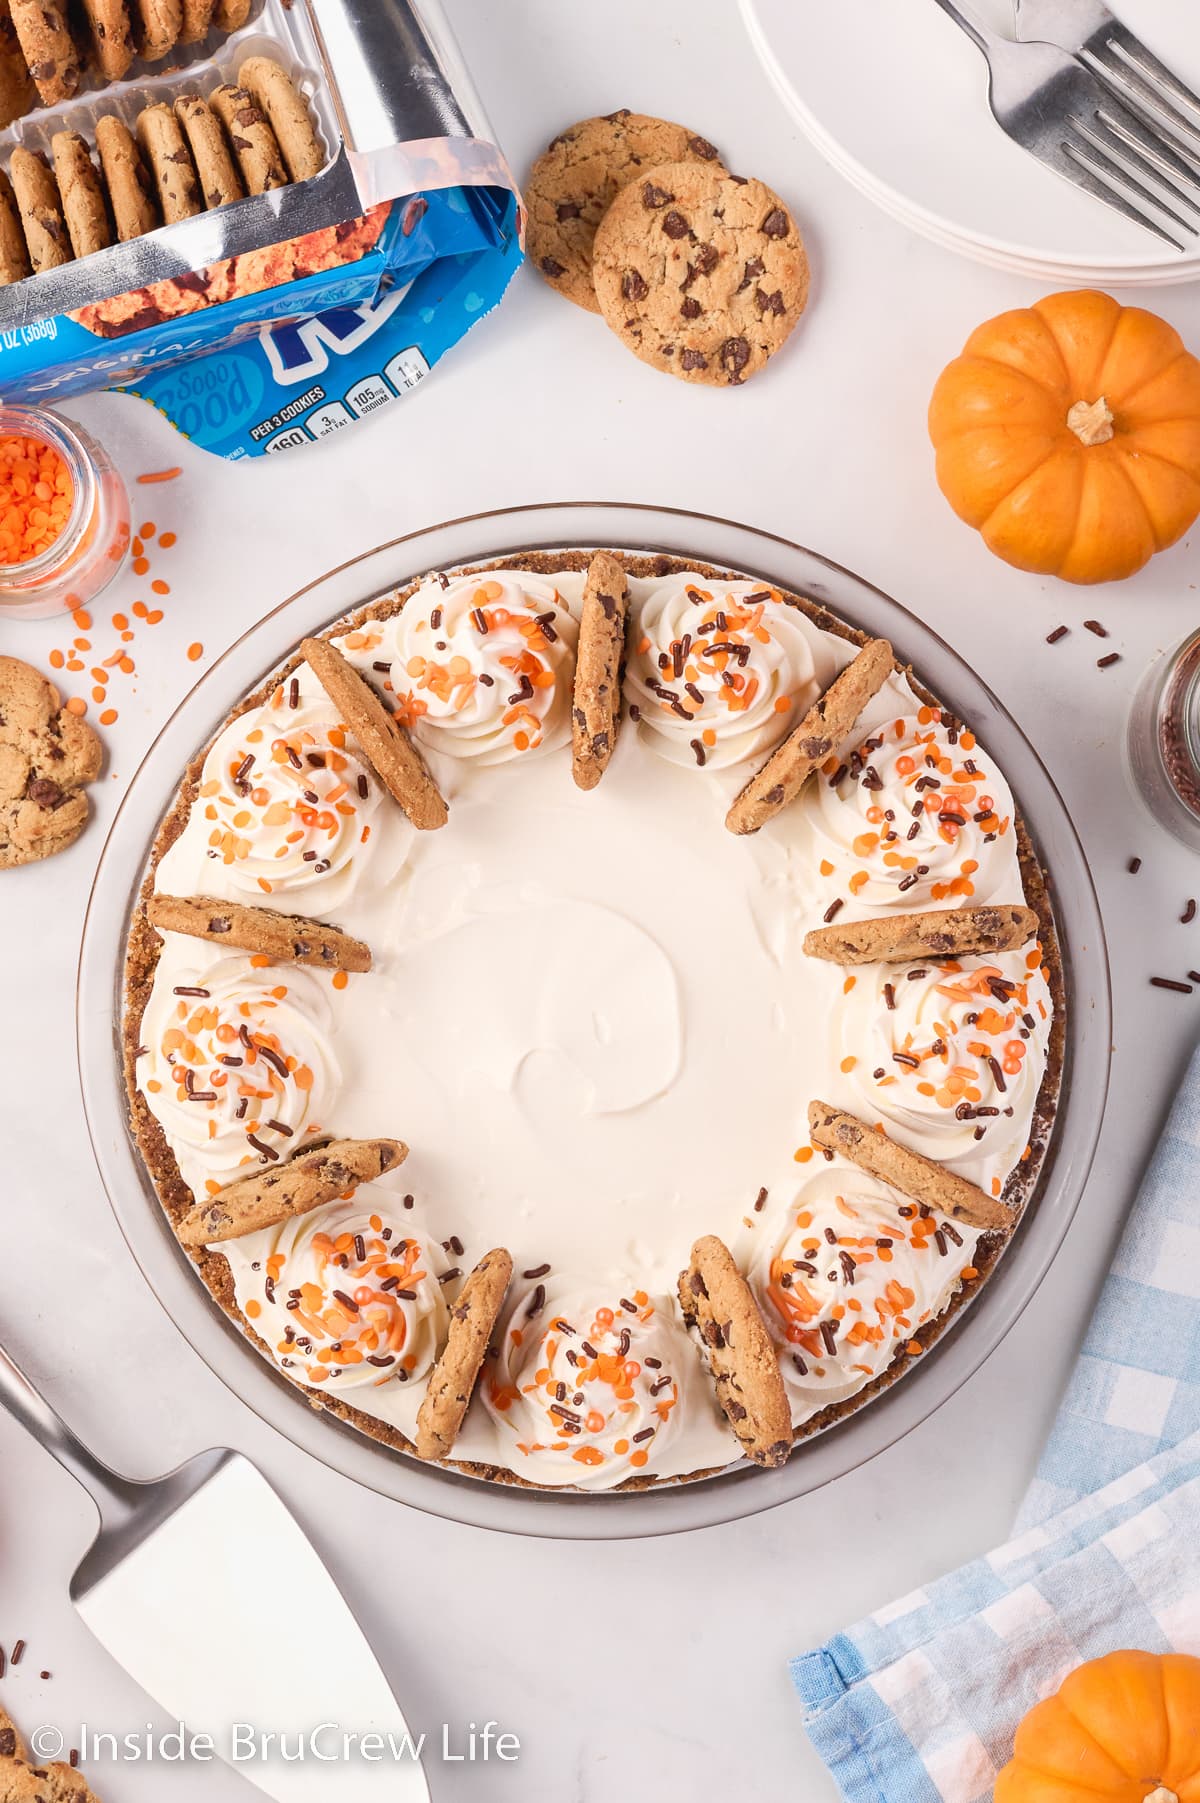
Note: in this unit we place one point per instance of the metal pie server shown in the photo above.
(204, 1587)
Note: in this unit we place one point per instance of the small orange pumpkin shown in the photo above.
(1124, 1729)
(1068, 433)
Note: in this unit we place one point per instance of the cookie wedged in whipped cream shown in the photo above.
(591, 1018)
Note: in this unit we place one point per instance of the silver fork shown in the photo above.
(1091, 32)
(1076, 124)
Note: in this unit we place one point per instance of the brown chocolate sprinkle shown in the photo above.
(1101, 632)
(760, 1201)
(538, 1271)
(1133, 866)
(1171, 983)
(18, 1652)
(1106, 663)
(834, 908)
(1060, 632)
(1189, 913)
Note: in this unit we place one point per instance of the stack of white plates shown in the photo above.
(895, 96)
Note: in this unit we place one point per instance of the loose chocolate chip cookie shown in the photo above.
(47, 756)
(701, 273)
(573, 184)
(21, 1782)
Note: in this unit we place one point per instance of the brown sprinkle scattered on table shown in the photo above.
(1060, 632)
(1189, 913)
(1171, 983)
(1105, 663)
(1133, 866)
(1101, 632)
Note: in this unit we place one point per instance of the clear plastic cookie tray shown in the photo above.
(386, 89)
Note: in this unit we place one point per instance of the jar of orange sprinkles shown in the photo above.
(64, 515)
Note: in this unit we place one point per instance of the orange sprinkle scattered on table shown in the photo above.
(195, 652)
(161, 475)
(36, 493)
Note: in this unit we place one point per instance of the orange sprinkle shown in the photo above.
(167, 540)
(195, 652)
(76, 706)
(161, 475)
(148, 530)
(108, 717)
(340, 979)
(36, 496)
(140, 565)
(159, 587)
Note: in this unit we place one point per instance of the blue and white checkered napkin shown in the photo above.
(919, 1703)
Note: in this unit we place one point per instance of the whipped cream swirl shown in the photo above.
(847, 1280)
(916, 817)
(237, 1068)
(950, 1053)
(285, 799)
(483, 668)
(345, 1297)
(588, 1394)
(720, 673)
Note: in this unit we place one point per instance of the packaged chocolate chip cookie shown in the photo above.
(287, 223)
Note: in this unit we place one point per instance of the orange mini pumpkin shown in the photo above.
(1068, 434)
(1124, 1729)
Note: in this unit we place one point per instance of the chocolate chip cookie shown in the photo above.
(701, 273)
(574, 182)
(112, 36)
(393, 756)
(17, 92)
(47, 757)
(296, 1187)
(40, 206)
(130, 188)
(44, 31)
(82, 196)
(718, 1304)
(910, 1172)
(452, 1379)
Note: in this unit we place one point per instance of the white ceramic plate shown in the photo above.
(895, 96)
(743, 1490)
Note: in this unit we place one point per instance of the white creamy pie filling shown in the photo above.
(591, 1017)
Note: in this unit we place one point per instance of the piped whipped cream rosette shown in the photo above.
(950, 1054)
(483, 667)
(915, 816)
(721, 673)
(855, 1270)
(345, 1297)
(588, 1393)
(237, 1067)
(285, 797)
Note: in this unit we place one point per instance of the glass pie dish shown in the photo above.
(979, 1325)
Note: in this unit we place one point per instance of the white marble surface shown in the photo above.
(634, 1671)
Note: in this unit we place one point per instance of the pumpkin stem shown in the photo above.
(1092, 423)
(1162, 1795)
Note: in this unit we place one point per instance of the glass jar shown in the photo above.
(1163, 741)
(93, 544)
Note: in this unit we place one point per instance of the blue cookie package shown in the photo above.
(275, 320)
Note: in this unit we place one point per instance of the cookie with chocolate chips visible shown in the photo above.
(701, 273)
(43, 30)
(596, 701)
(21, 1782)
(452, 1380)
(48, 755)
(40, 206)
(719, 1305)
(574, 182)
